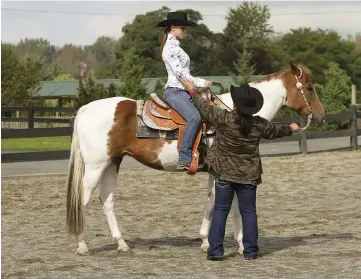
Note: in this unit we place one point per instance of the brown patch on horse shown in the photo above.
(122, 138)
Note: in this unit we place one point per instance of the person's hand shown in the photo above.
(295, 128)
(188, 85)
(208, 83)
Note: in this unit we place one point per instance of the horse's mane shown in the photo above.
(283, 71)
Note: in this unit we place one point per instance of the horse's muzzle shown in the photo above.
(318, 120)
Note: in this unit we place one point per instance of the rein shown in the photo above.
(216, 97)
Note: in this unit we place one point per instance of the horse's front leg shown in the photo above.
(208, 212)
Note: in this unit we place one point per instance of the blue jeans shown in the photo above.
(179, 100)
(247, 206)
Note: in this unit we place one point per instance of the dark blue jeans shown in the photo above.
(179, 100)
(247, 206)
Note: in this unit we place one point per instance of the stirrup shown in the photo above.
(182, 166)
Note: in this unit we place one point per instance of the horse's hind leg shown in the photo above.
(92, 175)
(237, 224)
(208, 212)
(107, 190)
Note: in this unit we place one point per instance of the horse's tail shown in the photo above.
(74, 206)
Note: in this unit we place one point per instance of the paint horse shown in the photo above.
(105, 131)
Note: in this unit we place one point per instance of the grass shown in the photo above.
(36, 144)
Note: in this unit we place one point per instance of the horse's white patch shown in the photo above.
(94, 124)
(274, 94)
(168, 155)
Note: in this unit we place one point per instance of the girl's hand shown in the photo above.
(208, 83)
(188, 85)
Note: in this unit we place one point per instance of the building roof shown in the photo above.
(68, 88)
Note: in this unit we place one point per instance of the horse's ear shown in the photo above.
(294, 69)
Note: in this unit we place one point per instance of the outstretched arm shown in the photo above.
(272, 131)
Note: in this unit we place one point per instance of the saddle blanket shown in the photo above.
(144, 131)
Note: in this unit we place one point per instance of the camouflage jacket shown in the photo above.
(232, 156)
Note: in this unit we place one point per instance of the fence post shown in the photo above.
(303, 138)
(353, 122)
(71, 125)
(60, 104)
(353, 127)
(30, 115)
(353, 94)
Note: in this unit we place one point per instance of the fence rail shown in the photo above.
(32, 121)
(352, 116)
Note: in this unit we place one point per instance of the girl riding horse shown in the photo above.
(177, 63)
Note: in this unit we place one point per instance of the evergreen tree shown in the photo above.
(90, 91)
(131, 77)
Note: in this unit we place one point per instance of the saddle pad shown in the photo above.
(143, 131)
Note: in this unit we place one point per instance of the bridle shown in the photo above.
(299, 86)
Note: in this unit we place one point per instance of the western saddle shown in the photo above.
(156, 114)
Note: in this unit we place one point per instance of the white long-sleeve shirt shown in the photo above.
(177, 63)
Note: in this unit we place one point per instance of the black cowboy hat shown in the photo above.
(176, 18)
(247, 100)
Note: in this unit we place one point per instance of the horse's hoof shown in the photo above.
(240, 250)
(124, 249)
(82, 252)
(204, 247)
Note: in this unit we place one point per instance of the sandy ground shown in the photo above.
(309, 221)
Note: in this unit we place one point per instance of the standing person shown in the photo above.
(177, 63)
(235, 161)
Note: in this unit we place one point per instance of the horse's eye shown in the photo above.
(310, 88)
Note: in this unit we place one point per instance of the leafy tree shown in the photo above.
(42, 52)
(63, 77)
(103, 50)
(335, 93)
(19, 80)
(358, 42)
(249, 21)
(71, 57)
(202, 46)
(143, 37)
(315, 49)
